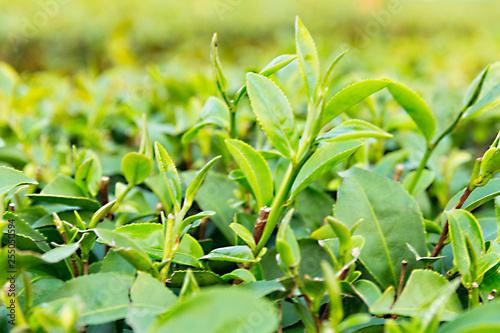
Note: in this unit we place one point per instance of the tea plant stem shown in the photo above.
(440, 244)
(278, 206)
(404, 264)
(430, 149)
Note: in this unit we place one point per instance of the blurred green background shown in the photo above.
(450, 39)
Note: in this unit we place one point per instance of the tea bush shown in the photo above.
(290, 204)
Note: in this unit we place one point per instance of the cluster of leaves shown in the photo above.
(255, 239)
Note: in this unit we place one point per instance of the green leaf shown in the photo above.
(244, 234)
(239, 274)
(238, 254)
(169, 172)
(60, 253)
(203, 278)
(416, 108)
(426, 179)
(486, 103)
(308, 59)
(8, 80)
(127, 248)
(354, 129)
(101, 213)
(136, 167)
(461, 222)
(255, 169)
(11, 178)
(231, 310)
(277, 63)
(485, 263)
(391, 218)
(63, 190)
(484, 318)
(421, 290)
(323, 160)
(214, 112)
(286, 243)
(105, 296)
(274, 113)
(84, 175)
(336, 307)
(197, 181)
(188, 252)
(478, 197)
(350, 96)
(149, 298)
(475, 88)
(193, 218)
(148, 236)
(383, 305)
(219, 77)
(23, 228)
(367, 291)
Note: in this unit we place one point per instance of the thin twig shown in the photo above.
(440, 244)
(404, 264)
(203, 228)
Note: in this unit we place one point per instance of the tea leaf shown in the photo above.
(11, 178)
(350, 96)
(274, 114)
(238, 254)
(104, 296)
(354, 129)
(255, 169)
(169, 172)
(324, 159)
(195, 184)
(136, 167)
(416, 109)
(232, 308)
(308, 59)
(391, 218)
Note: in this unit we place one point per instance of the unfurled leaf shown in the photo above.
(63, 190)
(274, 114)
(426, 179)
(238, 254)
(481, 319)
(391, 218)
(231, 309)
(60, 253)
(352, 130)
(244, 234)
(240, 274)
(350, 96)
(136, 167)
(277, 63)
(416, 108)
(11, 178)
(323, 160)
(422, 289)
(255, 169)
